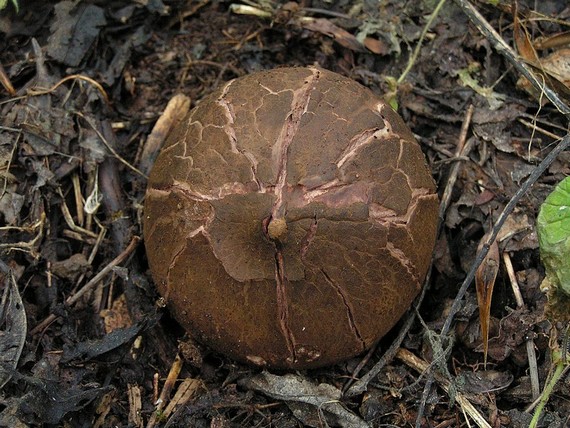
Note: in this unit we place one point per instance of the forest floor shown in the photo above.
(83, 337)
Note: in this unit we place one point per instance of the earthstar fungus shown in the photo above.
(290, 219)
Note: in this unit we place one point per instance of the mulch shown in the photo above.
(85, 340)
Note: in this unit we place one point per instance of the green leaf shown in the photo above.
(4, 3)
(553, 226)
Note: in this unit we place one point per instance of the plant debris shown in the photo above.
(91, 343)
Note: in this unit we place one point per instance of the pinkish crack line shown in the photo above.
(216, 194)
(189, 126)
(363, 139)
(404, 260)
(387, 216)
(399, 162)
(348, 306)
(282, 304)
(203, 229)
(357, 192)
(310, 194)
(299, 105)
(231, 133)
(308, 238)
(400, 154)
(170, 267)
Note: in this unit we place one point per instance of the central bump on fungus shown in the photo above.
(277, 229)
(290, 219)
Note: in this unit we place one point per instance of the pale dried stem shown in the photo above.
(462, 152)
(92, 254)
(422, 366)
(29, 247)
(166, 389)
(135, 405)
(78, 199)
(185, 392)
(69, 219)
(530, 348)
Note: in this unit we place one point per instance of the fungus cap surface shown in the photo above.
(290, 219)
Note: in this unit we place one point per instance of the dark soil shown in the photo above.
(90, 80)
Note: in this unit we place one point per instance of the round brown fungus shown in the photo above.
(290, 219)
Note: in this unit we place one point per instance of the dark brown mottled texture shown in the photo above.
(290, 219)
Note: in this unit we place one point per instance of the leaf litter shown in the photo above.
(63, 139)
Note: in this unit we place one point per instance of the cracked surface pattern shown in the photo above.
(290, 219)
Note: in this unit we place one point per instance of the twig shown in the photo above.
(94, 250)
(78, 199)
(97, 85)
(111, 185)
(69, 219)
(535, 128)
(462, 151)
(531, 353)
(361, 384)
(28, 247)
(166, 389)
(421, 366)
(91, 123)
(5, 80)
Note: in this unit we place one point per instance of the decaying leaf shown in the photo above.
(326, 27)
(72, 267)
(298, 389)
(484, 282)
(117, 316)
(50, 401)
(554, 68)
(94, 348)
(466, 78)
(13, 326)
(522, 39)
(74, 31)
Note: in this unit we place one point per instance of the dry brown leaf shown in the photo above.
(484, 283)
(555, 70)
(522, 39)
(340, 35)
(376, 46)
